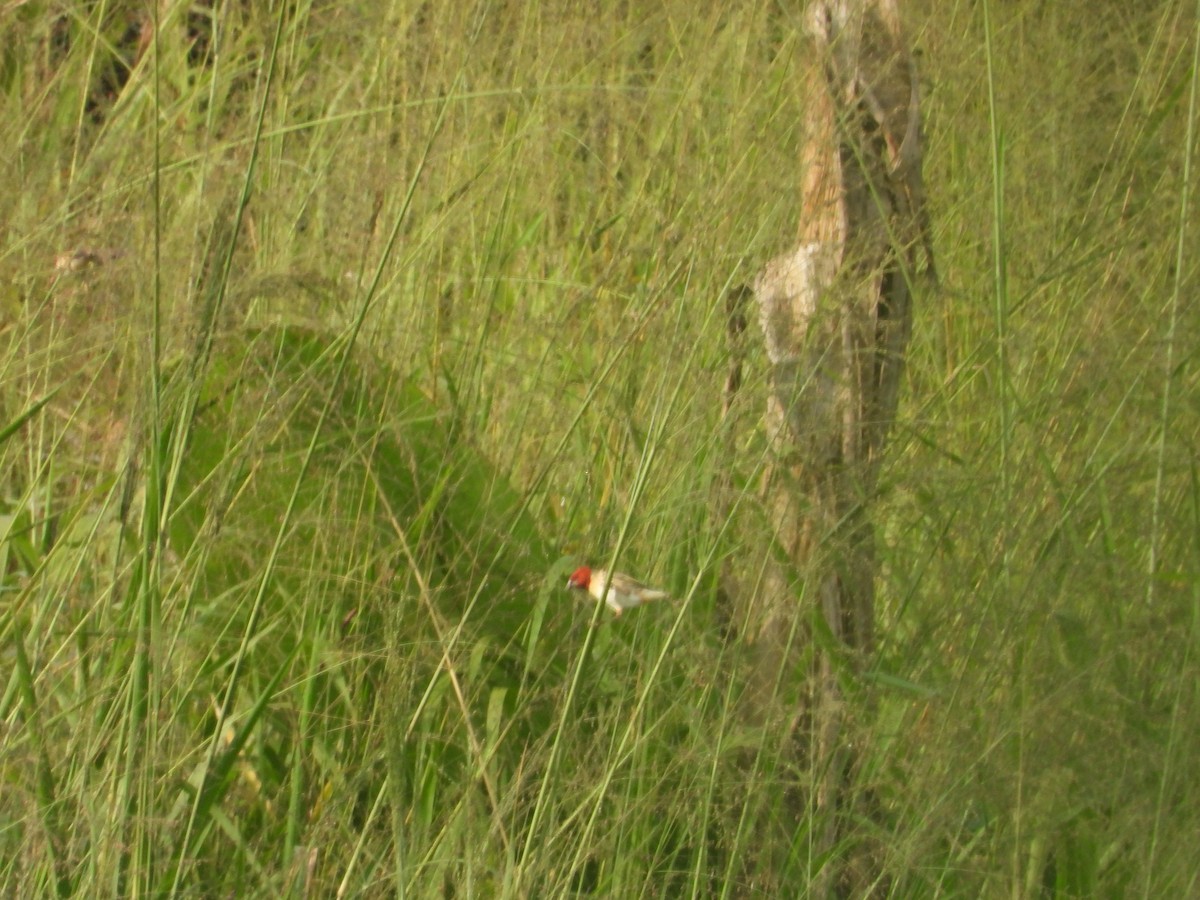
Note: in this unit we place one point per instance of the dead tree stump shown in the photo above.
(835, 316)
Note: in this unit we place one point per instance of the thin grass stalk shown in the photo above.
(381, 795)
(45, 790)
(135, 870)
(296, 771)
(1004, 399)
(205, 333)
(1182, 246)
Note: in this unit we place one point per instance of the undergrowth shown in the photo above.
(333, 336)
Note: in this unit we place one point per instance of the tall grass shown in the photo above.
(333, 336)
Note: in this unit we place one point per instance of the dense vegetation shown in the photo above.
(333, 335)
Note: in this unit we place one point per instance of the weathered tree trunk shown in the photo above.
(836, 315)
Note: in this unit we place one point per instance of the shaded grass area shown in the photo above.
(332, 337)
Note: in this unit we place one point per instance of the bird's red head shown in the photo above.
(580, 578)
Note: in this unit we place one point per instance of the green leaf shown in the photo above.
(15, 425)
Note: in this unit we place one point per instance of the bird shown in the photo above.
(623, 592)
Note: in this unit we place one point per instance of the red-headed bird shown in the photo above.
(623, 592)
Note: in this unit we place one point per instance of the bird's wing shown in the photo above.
(626, 585)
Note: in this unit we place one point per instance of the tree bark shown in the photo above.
(835, 315)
